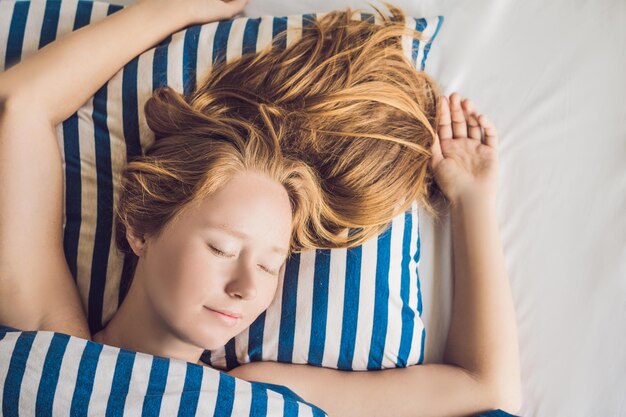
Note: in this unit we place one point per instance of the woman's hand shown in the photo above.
(200, 11)
(465, 163)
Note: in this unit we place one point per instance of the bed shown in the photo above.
(551, 77)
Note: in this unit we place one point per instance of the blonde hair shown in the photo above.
(352, 106)
(340, 117)
(185, 166)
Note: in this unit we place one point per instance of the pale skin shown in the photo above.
(214, 258)
(481, 361)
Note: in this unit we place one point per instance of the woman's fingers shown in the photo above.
(437, 154)
(491, 135)
(458, 119)
(459, 124)
(445, 123)
(473, 128)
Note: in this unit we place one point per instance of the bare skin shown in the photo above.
(481, 370)
(213, 257)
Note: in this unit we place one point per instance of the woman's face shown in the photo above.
(212, 272)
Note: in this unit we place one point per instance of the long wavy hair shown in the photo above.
(340, 117)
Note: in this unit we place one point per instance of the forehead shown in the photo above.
(249, 208)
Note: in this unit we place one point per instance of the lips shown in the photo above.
(227, 317)
(227, 313)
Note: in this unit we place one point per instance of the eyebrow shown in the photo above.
(241, 235)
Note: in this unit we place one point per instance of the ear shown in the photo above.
(137, 243)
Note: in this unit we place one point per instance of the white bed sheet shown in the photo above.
(552, 76)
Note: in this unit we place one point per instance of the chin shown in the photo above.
(212, 342)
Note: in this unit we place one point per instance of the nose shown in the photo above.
(242, 284)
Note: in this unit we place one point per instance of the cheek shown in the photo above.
(267, 293)
(182, 281)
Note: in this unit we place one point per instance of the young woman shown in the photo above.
(286, 177)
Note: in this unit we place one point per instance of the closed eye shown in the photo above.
(220, 253)
(269, 271)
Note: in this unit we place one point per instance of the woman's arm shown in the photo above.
(37, 291)
(60, 77)
(481, 370)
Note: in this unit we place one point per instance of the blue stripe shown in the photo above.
(350, 307)
(83, 14)
(318, 413)
(220, 42)
(113, 8)
(206, 357)
(417, 258)
(73, 194)
(419, 294)
(290, 398)
(16, 34)
(320, 307)
(420, 25)
(190, 58)
(159, 64)
(104, 220)
(431, 40)
(130, 105)
(290, 408)
(408, 314)
(15, 375)
(191, 391)
(225, 396)
(279, 25)
(381, 302)
(250, 36)
(422, 347)
(258, 407)
(121, 382)
(85, 379)
(288, 309)
(50, 374)
(50, 23)
(494, 413)
(368, 17)
(6, 329)
(308, 19)
(130, 125)
(73, 182)
(231, 355)
(255, 339)
(156, 386)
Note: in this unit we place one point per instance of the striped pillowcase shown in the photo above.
(353, 309)
(349, 309)
(47, 373)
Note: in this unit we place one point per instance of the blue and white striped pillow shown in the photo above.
(47, 373)
(352, 309)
